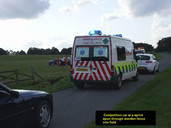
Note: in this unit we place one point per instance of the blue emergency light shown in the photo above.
(95, 32)
(119, 35)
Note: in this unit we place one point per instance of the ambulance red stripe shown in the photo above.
(82, 63)
(80, 76)
(101, 66)
(100, 75)
(107, 67)
(85, 78)
(95, 75)
(76, 75)
(77, 63)
(86, 63)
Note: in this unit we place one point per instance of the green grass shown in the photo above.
(40, 63)
(168, 53)
(154, 95)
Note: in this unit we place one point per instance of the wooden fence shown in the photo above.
(15, 76)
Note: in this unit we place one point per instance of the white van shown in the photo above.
(102, 59)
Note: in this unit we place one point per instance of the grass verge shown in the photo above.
(154, 95)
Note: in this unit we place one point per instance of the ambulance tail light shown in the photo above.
(112, 70)
(71, 70)
(148, 62)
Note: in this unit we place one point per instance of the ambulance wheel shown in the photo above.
(79, 85)
(118, 83)
(136, 77)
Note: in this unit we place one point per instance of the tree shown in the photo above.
(54, 51)
(21, 52)
(164, 45)
(147, 47)
(66, 51)
(33, 51)
(3, 52)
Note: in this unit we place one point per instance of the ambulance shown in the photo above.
(102, 59)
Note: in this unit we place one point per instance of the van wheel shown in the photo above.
(79, 85)
(118, 83)
(136, 77)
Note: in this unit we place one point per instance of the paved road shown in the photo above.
(74, 108)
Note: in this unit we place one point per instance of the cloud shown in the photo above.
(65, 9)
(161, 27)
(26, 9)
(83, 3)
(78, 5)
(34, 44)
(139, 8)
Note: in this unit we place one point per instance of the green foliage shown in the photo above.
(147, 47)
(2, 52)
(164, 45)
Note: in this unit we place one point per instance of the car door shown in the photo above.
(12, 111)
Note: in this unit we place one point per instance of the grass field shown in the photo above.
(154, 95)
(40, 63)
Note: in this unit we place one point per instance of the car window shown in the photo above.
(143, 57)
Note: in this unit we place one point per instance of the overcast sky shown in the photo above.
(55, 23)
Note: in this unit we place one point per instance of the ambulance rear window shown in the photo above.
(100, 53)
(82, 52)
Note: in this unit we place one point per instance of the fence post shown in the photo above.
(16, 74)
(33, 78)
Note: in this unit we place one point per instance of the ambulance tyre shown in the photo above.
(118, 82)
(79, 85)
(136, 77)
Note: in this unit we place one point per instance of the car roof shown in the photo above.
(145, 54)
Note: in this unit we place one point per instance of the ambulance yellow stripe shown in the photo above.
(116, 66)
(120, 65)
(124, 67)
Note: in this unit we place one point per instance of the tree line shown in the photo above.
(163, 45)
(37, 51)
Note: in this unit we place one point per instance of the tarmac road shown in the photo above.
(74, 108)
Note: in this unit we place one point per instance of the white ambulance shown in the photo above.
(102, 59)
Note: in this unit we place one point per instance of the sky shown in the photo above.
(55, 23)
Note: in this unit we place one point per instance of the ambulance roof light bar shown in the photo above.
(119, 35)
(95, 32)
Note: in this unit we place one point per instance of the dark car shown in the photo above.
(53, 62)
(24, 108)
(61, 62)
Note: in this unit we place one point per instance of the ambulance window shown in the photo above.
(100, 53)
(121, 53)
(82, 53)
